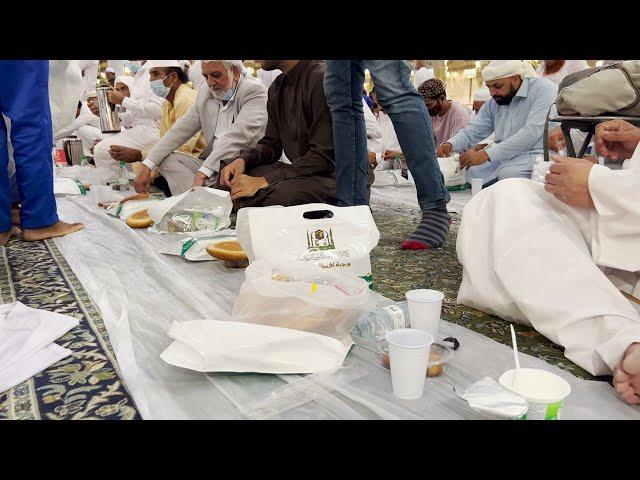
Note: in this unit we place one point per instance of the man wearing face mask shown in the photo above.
(448, 117)
(143, 109)
(168, 81)
(516, 112)
(230, 110)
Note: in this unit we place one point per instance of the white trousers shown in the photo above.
(179, 169)
(139, 137)
(526, 258)
(89, 134)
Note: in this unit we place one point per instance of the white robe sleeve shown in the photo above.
(616, 225)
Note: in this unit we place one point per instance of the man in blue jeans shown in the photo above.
(24, 99)
(343, 83)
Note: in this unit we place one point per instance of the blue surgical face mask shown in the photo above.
(132, 66)
(158, 87)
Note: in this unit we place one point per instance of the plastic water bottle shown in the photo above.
(397, 164)
(123, 177)
(374, 324)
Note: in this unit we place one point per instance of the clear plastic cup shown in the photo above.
(409, 357)
(544, 391)
(102, 193)
(425, 307)
(476, 185)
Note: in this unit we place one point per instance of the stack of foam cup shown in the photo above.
(424, 310)
(408, 357)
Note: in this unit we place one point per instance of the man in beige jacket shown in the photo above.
(231, 111)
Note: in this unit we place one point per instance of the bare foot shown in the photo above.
(58, 229)
(626, 378)
(6, 236)
(15, 216)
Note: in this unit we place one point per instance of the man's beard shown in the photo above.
(506, 100)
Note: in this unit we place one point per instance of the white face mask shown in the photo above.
(226, 95)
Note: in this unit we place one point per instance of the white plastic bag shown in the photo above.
(215, 346)
(303, 297)
(390, 178)
(454, 177)
(68, 186)
(194, 247)
(199, 209)
(540, 169)
(342, 239)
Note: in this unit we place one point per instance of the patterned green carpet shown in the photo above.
(397, 271)
(87, 384)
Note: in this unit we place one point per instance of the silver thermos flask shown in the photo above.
(73, 150)
(109, 121)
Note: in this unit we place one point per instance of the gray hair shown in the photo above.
(228, 63)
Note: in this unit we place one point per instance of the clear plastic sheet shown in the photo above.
(408, 197)
(141, 292)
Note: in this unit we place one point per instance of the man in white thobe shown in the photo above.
(143, 109)
(559, 260)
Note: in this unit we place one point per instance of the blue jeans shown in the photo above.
(343, 83)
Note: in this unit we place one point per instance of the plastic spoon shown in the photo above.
(515, 356)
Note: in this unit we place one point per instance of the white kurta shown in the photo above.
(529, 258)
(143, 112)
(195, 75)
(66, 88)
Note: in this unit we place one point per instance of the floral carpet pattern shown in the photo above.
(396, 271)
(85, 385)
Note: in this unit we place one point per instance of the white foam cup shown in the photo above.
(476, 185)
(408, 358)
(425, 307)
(544, 391)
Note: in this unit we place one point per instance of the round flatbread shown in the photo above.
(231, 251)
(139, 219)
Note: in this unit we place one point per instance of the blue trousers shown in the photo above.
(24, 98)
(343, 82)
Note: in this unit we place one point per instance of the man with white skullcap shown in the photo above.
(110, 73)
(516, 113)
(144, 108)
(169, 82)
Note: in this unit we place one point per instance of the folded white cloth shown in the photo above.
(26, 342)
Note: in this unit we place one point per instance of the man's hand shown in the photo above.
(125, 154)
(200, 179)
(471, 158)
(95, 142)
(392, 154)
(568, 181)
(480, 146)
(246, 186)
(556, 140)
(373, 161)
(616, 139)
(115, 97)
(232, 171)
(444, 150)
(142, 183)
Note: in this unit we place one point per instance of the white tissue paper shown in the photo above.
(215, 346)
(488, 397)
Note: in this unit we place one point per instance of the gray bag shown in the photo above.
(607, 90)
